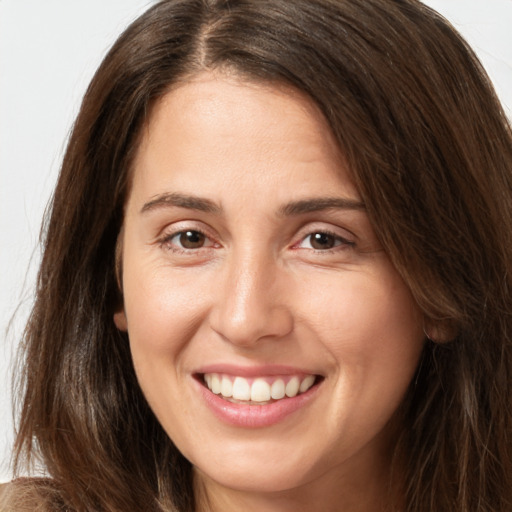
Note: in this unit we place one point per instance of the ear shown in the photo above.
(120, 320)
(440, 331)
(120, 315)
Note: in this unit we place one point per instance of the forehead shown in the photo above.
(219, 127)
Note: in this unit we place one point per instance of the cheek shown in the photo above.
(371, 326)
(164, 310)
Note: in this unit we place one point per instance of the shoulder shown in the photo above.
(6, 491)
(28, 495)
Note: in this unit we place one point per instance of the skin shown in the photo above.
(257, 290)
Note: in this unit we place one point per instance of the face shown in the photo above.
(270, 334)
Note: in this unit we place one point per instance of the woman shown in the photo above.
(276, 270)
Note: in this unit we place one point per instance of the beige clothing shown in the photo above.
(24, 495)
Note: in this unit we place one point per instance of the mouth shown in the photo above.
(263, 390)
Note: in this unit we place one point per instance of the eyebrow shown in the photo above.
(319, 204)
(182, 201)
(293, 208)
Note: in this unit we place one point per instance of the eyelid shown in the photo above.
(343, 234)
(208, 241)
(177, 228)
(340, 244)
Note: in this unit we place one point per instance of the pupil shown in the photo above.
(322, 241)
(192, 239)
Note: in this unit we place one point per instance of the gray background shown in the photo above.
(48, 53)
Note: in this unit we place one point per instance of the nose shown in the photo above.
(251, 303)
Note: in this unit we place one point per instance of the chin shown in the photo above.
(253, 478)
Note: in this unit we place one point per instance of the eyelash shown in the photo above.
(341, 243)
(166, 241)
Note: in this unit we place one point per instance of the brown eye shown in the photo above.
(324, 241)
(321, 241)
(191, 239)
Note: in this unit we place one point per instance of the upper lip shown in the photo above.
(253, 371)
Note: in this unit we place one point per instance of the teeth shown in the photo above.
(226, 387)
(241, 389)
(260, 390)
(292, 388)
(215, 384)
(306, 383)
(277, 390)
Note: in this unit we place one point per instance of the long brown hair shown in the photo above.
(430, 151)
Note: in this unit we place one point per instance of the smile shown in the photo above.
(260, 390)
(256, 397)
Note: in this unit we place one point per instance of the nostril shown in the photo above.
(249, 329)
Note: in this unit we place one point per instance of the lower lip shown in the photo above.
(255, 416)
